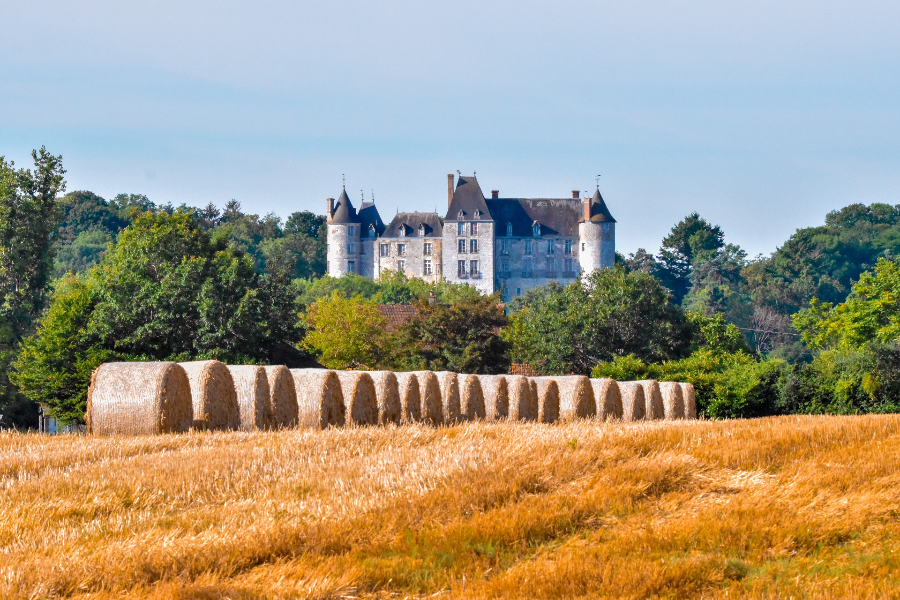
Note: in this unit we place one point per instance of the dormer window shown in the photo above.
(421, 230)
(477, 214)
(403, 231)
(460, 215)
(536, 229)
(371, 231)
(509, 229)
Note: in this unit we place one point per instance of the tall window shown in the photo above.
(582, 246)
(351, 248)
(421, 231)
(473, 246)
(570, 270)
(568, 246)
(403, 231)
(504, 268)
(461, 246)
(385, 249)
(426, 248)
(527, 246)
(401, 249)
(551, 268)
(401, 265)
(371, 231)
(473, 268)
(504, 246)
(427, 269)
(528, 267)
(351, 266)
(551, 247)
(475, 226)
(461, 268)
(536, 230)
(460, 229)
(351, 230)
(509, 229)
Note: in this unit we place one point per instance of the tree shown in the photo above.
(691, 241)
(612, 313)
(28, 217)
(347, 332)
(462, 336)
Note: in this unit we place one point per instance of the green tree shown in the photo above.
(613, 313)
(692, 241)
(347, 333)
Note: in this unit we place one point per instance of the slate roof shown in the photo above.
(556, 216)
(411, 221)
(599, 212)
(368, 215)
(344, 211)
(468, 198)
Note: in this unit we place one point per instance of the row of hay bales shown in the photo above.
(167, 397)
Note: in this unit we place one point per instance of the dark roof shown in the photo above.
(368, 215)
(396, 315)
(599, 212)
(556, 216)
(468, 198)
(411, 221)
(344, 211)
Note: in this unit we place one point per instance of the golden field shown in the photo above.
(802, 507)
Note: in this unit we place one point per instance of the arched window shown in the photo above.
(509, 229)
(536, 229)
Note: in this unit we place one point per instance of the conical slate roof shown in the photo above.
(344, 211)
(599, 212)
(468, 198)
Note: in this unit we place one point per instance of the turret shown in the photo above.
(343, 238)
(597, 235)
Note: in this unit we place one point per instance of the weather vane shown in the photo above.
(344, 180)
(597, 179)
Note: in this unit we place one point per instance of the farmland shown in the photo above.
(787, 506)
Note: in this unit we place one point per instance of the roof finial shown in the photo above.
(362, 196)
(344, 181)
(458, 173)
(597, 178)
(373, 195)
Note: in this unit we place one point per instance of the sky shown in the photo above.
(762, 116)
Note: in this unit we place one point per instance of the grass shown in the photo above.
(802, 507)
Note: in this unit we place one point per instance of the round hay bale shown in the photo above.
(360, 398)
(690, 400)
(576, 397)
(135, 398)
(634, 405)
(432, 411)
(449, 383)
(609, 401)
(284, 397)
(653, 397)
(320, 401)
(548, 399)
(254, 399)
(673, 399)
(471, 398)
(387, 393)
(410, 397)
(212, 395)
(496, 396)
(523, 400)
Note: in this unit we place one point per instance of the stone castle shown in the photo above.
(494, 244)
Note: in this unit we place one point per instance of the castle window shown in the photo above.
(461, 246)
(568, 246)
(473, 268)
(401, 249)
(473, 246)
(477, 214)
(460, 229)
(475, 228)
(427, 269)
(582, 246)
(536, 229)
(385, 249)
(527, 246)
(551, 247)
(528, 268)
(351, 230)
(426, 248)
(570, 268)
(351, 248)
(401, 265)
(461, 268)
(551, 268)
(371, 231)
(421, 231)
(509, 229)
(351, 266)
(403, 231)
(518, 292)
(504, 246)
(504, 268)
(460, 215)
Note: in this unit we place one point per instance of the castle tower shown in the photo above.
(344, 249)
(596, 236)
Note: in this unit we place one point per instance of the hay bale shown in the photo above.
(523, 400)
(471, 398)
(410, 397)
(139, 398)
(432, 411)
(496, 396)
(284, 397)
(673, 399)
(360, 398)
(320, 400)
(387, 393)
(449, 383)
(690, 400)
(576, 397)
(609, 401)
(653, 398)
(548, 398)
(634, 405)
(212, 395)
(253, 396)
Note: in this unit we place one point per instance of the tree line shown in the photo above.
(811, 328)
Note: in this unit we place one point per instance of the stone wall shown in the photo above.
(484, 280)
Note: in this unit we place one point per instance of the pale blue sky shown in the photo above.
(762, 116)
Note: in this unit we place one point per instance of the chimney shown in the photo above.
(576, 194)
(330, 208)
(449, 188)
(495, 193)
(587, 210)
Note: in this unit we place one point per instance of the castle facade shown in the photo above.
(494, 244)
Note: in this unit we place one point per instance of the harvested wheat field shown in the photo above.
(803, 507)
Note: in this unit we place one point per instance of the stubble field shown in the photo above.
(803, 507)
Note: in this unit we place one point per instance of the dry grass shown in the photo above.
(802, 507)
